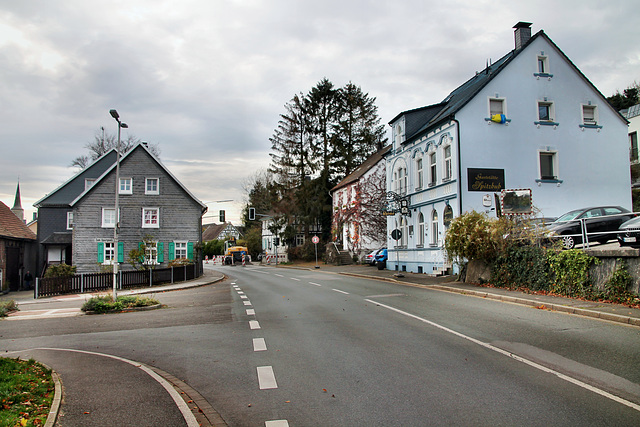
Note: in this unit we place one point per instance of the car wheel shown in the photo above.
(568, 242)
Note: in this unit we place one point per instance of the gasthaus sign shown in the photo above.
(485, 179)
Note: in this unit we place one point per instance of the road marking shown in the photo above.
(276, 423)
(44, 314)
(253, 324)
(243, 297)
(251, 312)
(386, 295)
(279, 275)
(294, 278)
(515, 357)
(247, 302)
(315, 284)
(342, 292)
(266, 378)
(240, 293)
(259, 344)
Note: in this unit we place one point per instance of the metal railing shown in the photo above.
(96, 282)
(584, 234)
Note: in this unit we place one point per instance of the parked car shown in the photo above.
(602, 223)
(370, 258)
(629, 233)
(381, 258)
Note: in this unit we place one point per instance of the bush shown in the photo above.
(521, 266)
(306, 252)
(472, 236)
(60, 270)
(7, 307)
(616, 288)
(570, 270)
(105, 303)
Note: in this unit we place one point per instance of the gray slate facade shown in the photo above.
(178, 225)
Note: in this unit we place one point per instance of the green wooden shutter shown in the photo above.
(160, 247)
(190, 250)
(141, 259)
(100, 252)
(120, 251)
(172, 251)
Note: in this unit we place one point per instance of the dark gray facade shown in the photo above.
(175, 225)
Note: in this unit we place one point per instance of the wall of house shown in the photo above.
(179, 214)
(592, 164)
(50, 220)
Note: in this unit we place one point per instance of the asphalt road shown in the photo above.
(291, 347)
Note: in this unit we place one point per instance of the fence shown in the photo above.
(96, 282)
(586, 230)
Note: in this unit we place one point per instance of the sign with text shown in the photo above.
(485, 179)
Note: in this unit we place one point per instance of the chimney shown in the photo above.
(522, 33)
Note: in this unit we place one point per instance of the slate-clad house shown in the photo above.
(55, 215)
(17, 250)
(155, 208)
(530, 120)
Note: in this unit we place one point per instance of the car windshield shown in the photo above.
(569, 216)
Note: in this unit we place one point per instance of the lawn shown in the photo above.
(26, 392)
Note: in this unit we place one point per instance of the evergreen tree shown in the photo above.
(628, 98)
(323, 103)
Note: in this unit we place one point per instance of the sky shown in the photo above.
(206, 80)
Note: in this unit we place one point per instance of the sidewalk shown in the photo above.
(600, 310)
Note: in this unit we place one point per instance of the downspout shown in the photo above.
(459, 166)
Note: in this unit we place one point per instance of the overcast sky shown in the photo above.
(207, 79)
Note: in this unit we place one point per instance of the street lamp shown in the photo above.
(121, 125)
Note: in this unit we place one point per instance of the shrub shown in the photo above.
(7, 307)
(105, 303)
(472, 236)
(60, 270)
(616, 288)
(179, 262)
(521, 266)
(306, 252)
(570, 270)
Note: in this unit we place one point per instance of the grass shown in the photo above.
(7, 307)
(105, 303)
(26, 392)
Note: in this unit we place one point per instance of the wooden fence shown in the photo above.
(97, 282)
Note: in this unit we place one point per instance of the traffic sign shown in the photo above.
(396, 234)
(315, 239)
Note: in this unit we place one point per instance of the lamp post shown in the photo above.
(116, 224)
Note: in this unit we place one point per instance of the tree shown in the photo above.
(103, 143)
(629, 97)
(323, 100)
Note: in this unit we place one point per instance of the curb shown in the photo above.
(57, 399)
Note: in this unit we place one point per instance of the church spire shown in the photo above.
(17, 205)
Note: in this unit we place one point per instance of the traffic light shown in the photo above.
(252, 214)
(221, 215)
(276, 241)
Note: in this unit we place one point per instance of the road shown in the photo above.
(292, 347)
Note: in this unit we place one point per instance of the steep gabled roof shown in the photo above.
(67, 192)
(213, 231)
(363, 168)
(139, 146)
(464, 93)
(12, 227)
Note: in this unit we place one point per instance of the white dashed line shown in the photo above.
(240, 293)
(253, 324)
(244, 297)
(279, 275)
(266, 378)
(294, 278)
(259, 344)
(247, 302)
(276, 423)
(342, 292)
(315, 284)
(251, 312)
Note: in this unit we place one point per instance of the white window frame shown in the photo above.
(70, 220)
(544, 60)
(495, 100)
(421, 230)
(593, 120)
(448, 171)
(554, 164)
(179, 248)
(88, 183)
(109, 253)
(146, 224)
(108, 214)
(125, 186)
(433, 169)
(151, 253)
(551, 109)
(419, 173)
(434, 228)
(147, 181)
(633, 146)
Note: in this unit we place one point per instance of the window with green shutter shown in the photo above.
(190, 250)
(160, 246)
(101, 252)
(120, 251)
(172, 251)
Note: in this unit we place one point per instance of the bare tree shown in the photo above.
(103, 142)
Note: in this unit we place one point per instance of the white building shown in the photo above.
(531, 120)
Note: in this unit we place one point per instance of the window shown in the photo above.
(496, 106)
(548, 167)
(421, 230)
(419, 174)
(152, 186)
(108, 217)
(150, 217)
(433, 172)
(69, 220)
(404, 231)
(434, 228)
(180, 250)
(633, 146)
(545, 111)
(401, 183)
(543, 64)
(125, 186)
(589, 114)
(447, 163)
(299, 239)
(109, 253)
(151, 253)
(88, 183)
